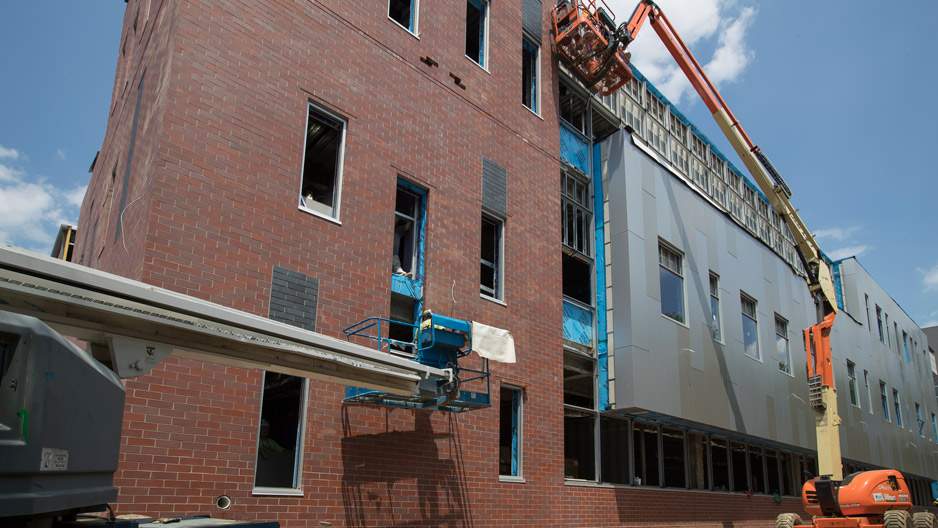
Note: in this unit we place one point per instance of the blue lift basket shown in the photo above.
(436, 341)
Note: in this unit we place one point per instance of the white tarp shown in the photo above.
(493, 343)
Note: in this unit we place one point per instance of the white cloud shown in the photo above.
(836, 233)
(849, 251)
(699, 23)
(33, 209)
(8, 153)
(930, 278)
(59, 153)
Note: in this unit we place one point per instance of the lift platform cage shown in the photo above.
(587, 39)
(436, 341)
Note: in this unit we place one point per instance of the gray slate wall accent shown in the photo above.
(293, 298)
(531, 23)
(494, 187)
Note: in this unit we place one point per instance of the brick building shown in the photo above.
(323, 162)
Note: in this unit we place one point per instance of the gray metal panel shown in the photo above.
(654, 355)
(293, 298)
(494, 187)
(531, 22)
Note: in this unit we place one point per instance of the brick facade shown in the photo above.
(211, 211)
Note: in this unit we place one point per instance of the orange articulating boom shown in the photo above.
(589, 42)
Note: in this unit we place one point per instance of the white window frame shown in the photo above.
(898, 406)
(716, 318)
(535, 74)
(518, 475)
(499, 265)
(414, 14)
(484, 41)
(297, 490)
(664, 246)
(884, 400)
(755, 319)
(313, 206)
(853, 393)
(784, 322)
(869, 392)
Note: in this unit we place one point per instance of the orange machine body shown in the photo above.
(867, 493)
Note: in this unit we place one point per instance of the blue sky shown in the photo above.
(839, 94)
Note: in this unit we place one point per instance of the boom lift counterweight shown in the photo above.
(833, 500)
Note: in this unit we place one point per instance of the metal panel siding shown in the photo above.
(293, 298)
(494, 187)
(531, 23)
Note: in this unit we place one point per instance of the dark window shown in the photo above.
(671, 272)
(476, 11)
(897, 406)
(280, 432)
(672, 445)
(322, 163)
(529, 77)
(580, 416)
(750, 335)
(698, 461)
(852, 383)
(577, 214)
(404, 13)
(740, 471)
(491, 265)
(882, 396)
(577, 281)
(773, 476)
(408, 217)
(757, 475)
(614, 443)
(879, 323)
(509, 432)
(645, 452)
(573, 109)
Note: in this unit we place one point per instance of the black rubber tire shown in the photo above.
(787, 520)
(896, 519)
(923, 520)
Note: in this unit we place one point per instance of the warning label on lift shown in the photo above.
(54, 459)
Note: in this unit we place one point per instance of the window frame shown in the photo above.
(668, 248)
(879, 323)
(869, 391)
(483, 6)
(716, 312)
(743, 297)
(413, 28)
(897, 404)
(884, 400)
(517, 433)
(535, 84)
(417, 226)
(340, 162)
(778, 336)
(852, 384)
(497, 292)
(297, 489)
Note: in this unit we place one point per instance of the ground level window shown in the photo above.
(614, 441)
(281, 431)
(721, 471)
(672, 450)
(322, 162)
(579, 421)
(698, 461)
(509, 432)
(739, 460)
(646, 453)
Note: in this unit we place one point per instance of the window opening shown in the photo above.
(750, 335)
(671, 273)
(720, 462)
(491, 261)
(402, 326)
(905, 345)
(407, 217)
(740, 473)
(322, 163)
(698, 461)
(866, 299)
(785, 468)
(509, 432)
(579, 388)
(879, 323)
(530, 54)
(869, 392)
(614, 453)
(573, 109)
(281, 431)
(852, 383)
(404, 12)
(781, 344)
(672, 449)
(897, 407)
(577, 214)
(882, 395)
(715, 326)
(919, 421)
(934, 426)
(756, 471)
(476, 11)
(577, 279)
(645, 453)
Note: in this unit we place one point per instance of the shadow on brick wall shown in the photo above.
(404, 478)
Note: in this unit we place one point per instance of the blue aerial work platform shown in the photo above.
(437, 341)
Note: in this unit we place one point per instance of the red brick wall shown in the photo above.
(216, 173)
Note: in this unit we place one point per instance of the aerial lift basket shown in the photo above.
(588, 41)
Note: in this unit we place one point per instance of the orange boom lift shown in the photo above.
(589, 42)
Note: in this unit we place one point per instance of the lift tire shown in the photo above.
(787, 520)
(923, 520)
(896, 519)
